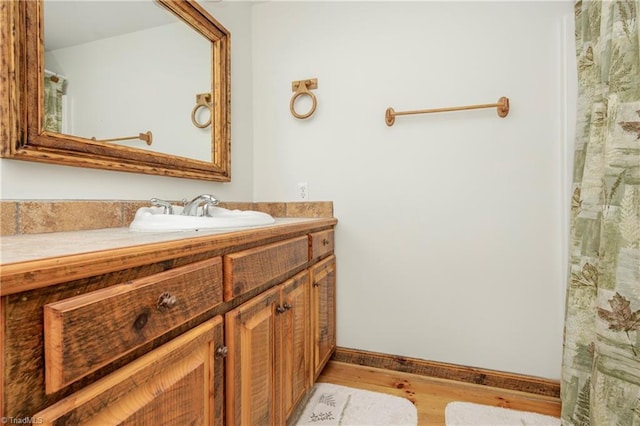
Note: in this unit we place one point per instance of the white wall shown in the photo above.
(451, 226)
(450, 232)
(27, 180)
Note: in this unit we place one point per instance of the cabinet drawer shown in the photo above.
(320, 243)
(249, 269)
(86, 332)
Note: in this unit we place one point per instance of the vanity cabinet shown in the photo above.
(227, 328)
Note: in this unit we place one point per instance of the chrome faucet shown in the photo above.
(204, 200)
(168, 208)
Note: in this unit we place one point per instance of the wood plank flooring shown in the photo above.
(431, 395)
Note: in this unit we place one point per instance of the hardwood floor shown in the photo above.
(431, 395)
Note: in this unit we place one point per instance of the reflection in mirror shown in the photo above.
(118, 89)
(137, 72)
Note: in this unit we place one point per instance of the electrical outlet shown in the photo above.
(303, 191)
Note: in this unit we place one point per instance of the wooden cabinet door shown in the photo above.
(251, 385)
(323, 305)
(294, 341)
(178, 383)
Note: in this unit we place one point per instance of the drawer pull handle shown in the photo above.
(166, 301)
(325, 242)
(222, 352)
(287, 306)
(280, 309)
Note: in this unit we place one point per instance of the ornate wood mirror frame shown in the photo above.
(22, 101)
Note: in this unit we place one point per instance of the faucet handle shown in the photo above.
(168, 208)
(207, 205)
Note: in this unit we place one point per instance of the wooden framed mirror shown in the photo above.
(22, 116)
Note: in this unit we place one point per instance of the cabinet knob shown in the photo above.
(280, 309)
(325, 242)
(316, 284)
(287, 306)
(166, 301)
(221, 351)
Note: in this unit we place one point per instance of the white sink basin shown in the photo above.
(153, 219)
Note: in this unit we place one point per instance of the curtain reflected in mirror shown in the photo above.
(53, 103)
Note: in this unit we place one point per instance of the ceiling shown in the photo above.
(73, 22)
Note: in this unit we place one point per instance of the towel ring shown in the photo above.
(202, 100)
(301, 87)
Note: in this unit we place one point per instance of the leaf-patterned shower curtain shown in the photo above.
(53, 91)
(601, 359)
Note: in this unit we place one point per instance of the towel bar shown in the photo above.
(502, 108)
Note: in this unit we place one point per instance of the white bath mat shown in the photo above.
(469, 414)
(339, 405)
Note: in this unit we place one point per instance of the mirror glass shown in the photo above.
(126, 68)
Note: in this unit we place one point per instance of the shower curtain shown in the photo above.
(601, 359)
(53, 91)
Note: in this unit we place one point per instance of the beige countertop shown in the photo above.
(31, 247)
(32, 261)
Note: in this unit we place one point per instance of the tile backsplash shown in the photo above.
(40, 216)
